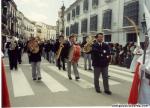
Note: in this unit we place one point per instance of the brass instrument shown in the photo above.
(62, 41)
(59, 50)
(88, 46)
(33, 46)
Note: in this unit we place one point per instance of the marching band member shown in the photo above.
(20, 50)
(60, 53)
(100, 62)
(87, 53)
(12, 52)
(73, 55)
(35, 52)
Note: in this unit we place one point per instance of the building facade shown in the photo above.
(29, 28)
(45, 31)
(9, 20)
(88, 17)
(20, 25)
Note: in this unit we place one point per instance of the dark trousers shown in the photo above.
(12, 61)
(19, 56)
(59, 63)
(97, 72)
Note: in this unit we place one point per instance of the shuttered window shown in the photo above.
(67, 31)
(107, 16)
(78, 10)
(85, 5)
(93, 23)
(131, 10)
(68, 17)
(95, 3)
(84, 26)
(73, 13)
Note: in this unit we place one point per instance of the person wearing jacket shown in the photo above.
(100, 62)
(35, 60)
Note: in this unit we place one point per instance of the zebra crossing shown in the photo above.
(21, 81)
(21, 86)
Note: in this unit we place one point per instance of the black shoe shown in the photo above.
(69, 77)
(85, 69)
(64, 69)
(39, 78)
(34, 78)
(108, 92)
(98, 91)
(90, 69)
(77, 78)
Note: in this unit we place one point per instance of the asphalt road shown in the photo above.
(55, 89)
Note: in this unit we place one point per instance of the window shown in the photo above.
(94, 3)
(78, 10)
(71, 29)
(73, 13)
(107, 15)
(85, 5)
(107, 38)
(131, 10)
(68, 17)
(131, 37)
(67, 31)
(84, 25)
(93, 23)
(76, 28)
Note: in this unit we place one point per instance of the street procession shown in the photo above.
(75, 53)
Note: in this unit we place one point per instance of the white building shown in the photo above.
(88, 17)
(53, 33)
(45, 31)
(29, 27)
(20, 27)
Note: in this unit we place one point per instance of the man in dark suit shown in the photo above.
(62, 53)
(100, 62)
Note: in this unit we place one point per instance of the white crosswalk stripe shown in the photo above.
(21, 86)
(114, 73)
(86, 73)
(51, 83)
(119, 68)
(129, 79)
(82, 83)
(121, 72)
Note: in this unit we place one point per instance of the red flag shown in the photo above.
(133, 97)
(5, 94)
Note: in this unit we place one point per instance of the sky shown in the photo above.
(45, 11)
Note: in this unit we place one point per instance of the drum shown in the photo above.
(75, 53)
